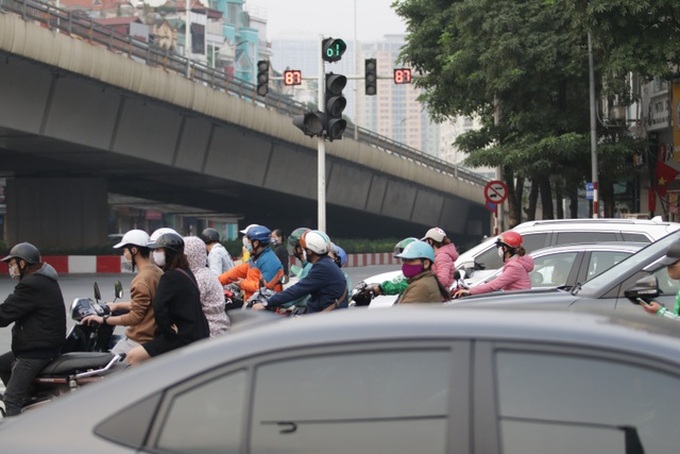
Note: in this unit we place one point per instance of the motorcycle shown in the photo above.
(85, 357)
(362, 295)
(233, 297)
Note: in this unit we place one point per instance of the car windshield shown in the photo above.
(634, 262)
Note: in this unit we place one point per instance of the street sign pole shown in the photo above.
(321, 149)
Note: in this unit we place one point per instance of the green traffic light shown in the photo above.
(332, 49)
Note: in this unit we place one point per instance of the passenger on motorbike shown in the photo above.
(262, 270)
(219, 259)
(245, 253)
(138, 313)
(423, 285)
(177, 305)
(397, 285)
(325, 282)
(445, 255)
(339, 256)
(36, 307)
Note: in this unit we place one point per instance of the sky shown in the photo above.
(330, 18)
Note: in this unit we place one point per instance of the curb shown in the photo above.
(115, 264)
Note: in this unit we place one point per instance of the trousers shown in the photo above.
(17, 374)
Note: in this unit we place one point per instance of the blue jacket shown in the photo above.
(325, 283)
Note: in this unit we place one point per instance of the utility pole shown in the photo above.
(593, 128)
(321, 148)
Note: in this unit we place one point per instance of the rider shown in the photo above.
(177, 305)
(245, 253)
(264, 268)
(445, 255)
(298, 252)
(219, 259)
(36, 307)
(339, 256)
(516, 267)
(397, 285)
(325, 282)
(423, 286)
(139, 316)
(277, 243)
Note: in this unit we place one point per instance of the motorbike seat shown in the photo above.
(77, 361)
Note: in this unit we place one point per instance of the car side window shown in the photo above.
(353, 402)
(585, 237)
(667, 285)
(206, 418)
(603, 260)
(552, 270)
(534, 241)
(550, 401)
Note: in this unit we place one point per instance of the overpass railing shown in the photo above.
(78, 24)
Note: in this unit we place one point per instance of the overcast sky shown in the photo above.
(331, 18)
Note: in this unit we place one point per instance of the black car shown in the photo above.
(606, 290)
(406, 380)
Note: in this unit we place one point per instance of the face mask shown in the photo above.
(274, 241)
(410, 270)
(127, 257)
(249, 247)
(14, 272)
(159, 258)
(501, 253)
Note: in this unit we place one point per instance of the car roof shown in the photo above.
(622, 246)
(598, 223)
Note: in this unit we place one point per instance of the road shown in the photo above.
(81, 285)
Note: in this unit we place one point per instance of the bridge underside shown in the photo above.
(57, 128)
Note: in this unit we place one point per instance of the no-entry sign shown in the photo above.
(495, 191)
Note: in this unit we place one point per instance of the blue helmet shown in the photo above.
(259, 233)
(418, 250)
(343, 256)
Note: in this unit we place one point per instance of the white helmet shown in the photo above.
(162, 231)
(134, 237)
(244, 231)
(316, 241)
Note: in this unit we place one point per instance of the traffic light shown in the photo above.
(263, 77)
(334, 104)
(402, 76)
(332, 49)
(371, 76)
(310, 123)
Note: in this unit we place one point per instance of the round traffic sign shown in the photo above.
(496, 191)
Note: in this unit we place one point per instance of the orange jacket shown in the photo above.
(252, 277)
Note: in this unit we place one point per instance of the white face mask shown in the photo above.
(159, 258)
(501, 253)
(14, 272)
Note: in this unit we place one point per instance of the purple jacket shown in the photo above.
(444, 264)
(515, 276)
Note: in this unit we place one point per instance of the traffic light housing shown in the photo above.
(263, 77)
(332, 49)
(371, 76)
(334, 105)
(310, 123)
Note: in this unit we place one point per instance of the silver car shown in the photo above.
(409, 380)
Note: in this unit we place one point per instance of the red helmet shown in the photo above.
(510, 239)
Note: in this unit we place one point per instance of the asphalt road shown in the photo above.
(82, 285)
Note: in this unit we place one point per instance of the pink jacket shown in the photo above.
(515, 276)
(444, 265)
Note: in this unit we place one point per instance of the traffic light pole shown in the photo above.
(321, 153)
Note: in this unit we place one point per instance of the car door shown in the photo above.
(558, 398)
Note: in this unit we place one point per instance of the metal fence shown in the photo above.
(77, 24)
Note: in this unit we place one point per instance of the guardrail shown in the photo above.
(74, 23)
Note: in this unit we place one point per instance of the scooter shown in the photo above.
(85, 357)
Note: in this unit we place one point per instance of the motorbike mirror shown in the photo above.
(97, 293)
(469, 269)
(646, 287)
(118, 289)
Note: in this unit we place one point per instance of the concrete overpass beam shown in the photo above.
(57, 212)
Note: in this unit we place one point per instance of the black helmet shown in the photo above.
(210, 235)
(25, 251)
(170, 241)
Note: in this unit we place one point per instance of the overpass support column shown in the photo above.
(64, 213)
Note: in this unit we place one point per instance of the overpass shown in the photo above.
(85, 112)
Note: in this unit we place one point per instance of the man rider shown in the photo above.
(325, 282)
(263, 269)
(36, 307)
(219, 259)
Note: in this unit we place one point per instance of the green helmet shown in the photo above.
(400, 246)
(294, 239)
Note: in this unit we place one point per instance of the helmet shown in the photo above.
(294, 238)
(316, 241)
(25, 251)
(170, 241)
(245, 231)
(342, 255)
(210, 235)
(399, 247)
(436, 234)
(134, 237)
(158, 232)
(510, 239)
(418, 250)
(259, 233)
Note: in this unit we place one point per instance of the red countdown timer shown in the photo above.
(402, 75)
(292, 77)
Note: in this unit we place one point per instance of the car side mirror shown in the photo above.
(469, 269)
(646, 287)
